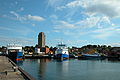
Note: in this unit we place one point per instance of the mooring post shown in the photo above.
(15, 68)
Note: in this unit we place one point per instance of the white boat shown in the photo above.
(61, 51)
(15, 52)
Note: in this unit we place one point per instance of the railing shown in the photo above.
(24, 73)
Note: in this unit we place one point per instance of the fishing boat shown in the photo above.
(15, 52)
(61, 52)
(92, 56)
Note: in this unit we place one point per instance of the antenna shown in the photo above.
(61, 41)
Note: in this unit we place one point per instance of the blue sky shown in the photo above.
(74, 22)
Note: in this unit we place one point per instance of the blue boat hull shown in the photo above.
(63, 56)
(19, 56)
(93, 57)
(15, 56)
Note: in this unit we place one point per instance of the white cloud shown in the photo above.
(105, 29)
(64, 25)
(105, 19)
(79, 28)
(52, 2)
(104, 33)
(103, 36)
(35, 18)
(75, 3)
(76, 42)
(27, 17)
(55, 3)
(96, 15)
(69, 32)
(18, 30)
(16, 2)
(94, 21)
(33, 25)
(68, 42)
(24, 41)
(89, 22)
(118, 30)
(54, 16)
(20, 10)
(57, 31)
(5, 28)
(108, 8)
(15, 14)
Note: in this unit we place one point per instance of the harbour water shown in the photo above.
(72, 69)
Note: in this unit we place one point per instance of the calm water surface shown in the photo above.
(73, 69)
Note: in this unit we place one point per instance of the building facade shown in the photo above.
(41, 40)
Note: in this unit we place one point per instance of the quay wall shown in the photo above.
(10, 71)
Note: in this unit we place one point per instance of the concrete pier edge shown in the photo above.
(26, 75)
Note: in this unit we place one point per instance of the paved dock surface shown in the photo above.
(7, 71)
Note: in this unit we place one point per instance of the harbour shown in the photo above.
(37, 66)
(72, 69)
(67, 69)
(61, 62)
(59, 40)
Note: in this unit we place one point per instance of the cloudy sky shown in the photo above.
(74, 22)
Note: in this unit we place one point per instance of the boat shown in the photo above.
(15, 52)
(92, 56)
(61, 52)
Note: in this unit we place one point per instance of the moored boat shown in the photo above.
(61, 52)
(93, 56)
(15, 52)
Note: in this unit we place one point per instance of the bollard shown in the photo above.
(6, 72)
(15, 68)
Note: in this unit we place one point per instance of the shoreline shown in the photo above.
(74, 57)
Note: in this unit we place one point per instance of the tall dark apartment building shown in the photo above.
(41, 40)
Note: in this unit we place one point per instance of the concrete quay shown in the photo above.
(10, 71)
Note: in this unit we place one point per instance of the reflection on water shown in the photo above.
(73, 69)
(42, 68)
(19, 62)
